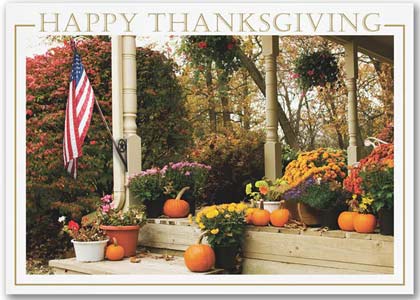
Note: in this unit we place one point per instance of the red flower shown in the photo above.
(29, 112)
(263, 190)
(92, 142)
(202, 44)
(230, 46)
(73, 225)
(310, 72)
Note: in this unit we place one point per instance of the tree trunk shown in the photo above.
(289, 134)
(212, 105)
(224, 100)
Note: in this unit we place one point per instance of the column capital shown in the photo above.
(350, 59)
(270, 45)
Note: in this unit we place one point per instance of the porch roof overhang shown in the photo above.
(379, 47)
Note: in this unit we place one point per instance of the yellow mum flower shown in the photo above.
(201, 225)
(231, 208)
(214, 231)
(212, 214)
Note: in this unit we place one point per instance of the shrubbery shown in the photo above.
(50, 190)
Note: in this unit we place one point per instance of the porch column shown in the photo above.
(351, 70)
(117, 121)
(129, 97)
(272, 147)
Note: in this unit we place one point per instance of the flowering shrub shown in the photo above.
(51, 192)
(182, 174)
(381, 157)
(315, 68)
(235, 158)
(224, 224)
(107, 215)
(158, 184)
(316, 177)
(324, 164)
(147, 185)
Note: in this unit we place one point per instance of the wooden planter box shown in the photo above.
(270, 250)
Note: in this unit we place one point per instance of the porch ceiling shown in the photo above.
(380, 47)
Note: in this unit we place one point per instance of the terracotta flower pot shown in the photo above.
(303, 213)
(126, 237)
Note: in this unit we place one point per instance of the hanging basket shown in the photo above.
(316, 68)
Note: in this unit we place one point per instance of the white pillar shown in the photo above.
(117, 121)
(129, 94)
(272, 147)
(351, 70)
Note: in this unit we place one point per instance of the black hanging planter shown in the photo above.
(226, 256)
(386, 221)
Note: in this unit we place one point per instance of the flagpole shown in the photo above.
(110, 134)
(73, 46)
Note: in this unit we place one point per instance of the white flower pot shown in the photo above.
(90, 251)
(271, 205)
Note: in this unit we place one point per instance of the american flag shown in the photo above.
(78, 114)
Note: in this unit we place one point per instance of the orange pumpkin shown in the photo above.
(114, 251)
(261, 216)
(177, 208)
(346, 220)
(248, 215)
(280, 216)
(364, 223)
(199, 257)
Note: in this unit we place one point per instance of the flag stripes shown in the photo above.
(78, 115)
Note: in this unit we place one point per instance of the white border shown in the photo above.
(393, 14)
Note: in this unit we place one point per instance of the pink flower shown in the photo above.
(106, 199)
(92, 142)
(295, 75)
(188, 173)
(29, 112)
(105, 208)
(310, 72)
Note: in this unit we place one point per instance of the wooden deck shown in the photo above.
(267, 250)
(155, 264)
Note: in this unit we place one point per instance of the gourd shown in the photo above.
(261, 216)
(346, 220)
(280, 216)
(114, 251)
(364, 223)
(177, 208)
(199, 257)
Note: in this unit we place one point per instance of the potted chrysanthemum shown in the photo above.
(122, 225)
(224, 227)
(89, 240)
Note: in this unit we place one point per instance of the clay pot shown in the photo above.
(126, 237)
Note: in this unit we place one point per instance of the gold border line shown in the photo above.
(200, 284)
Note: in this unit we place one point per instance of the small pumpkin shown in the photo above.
(199, 257)
(177, 208)
(280, 216)
(114, 251)
(364, 223)
(346, 220)
(261, 216)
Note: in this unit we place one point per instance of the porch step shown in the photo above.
(153, 264)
